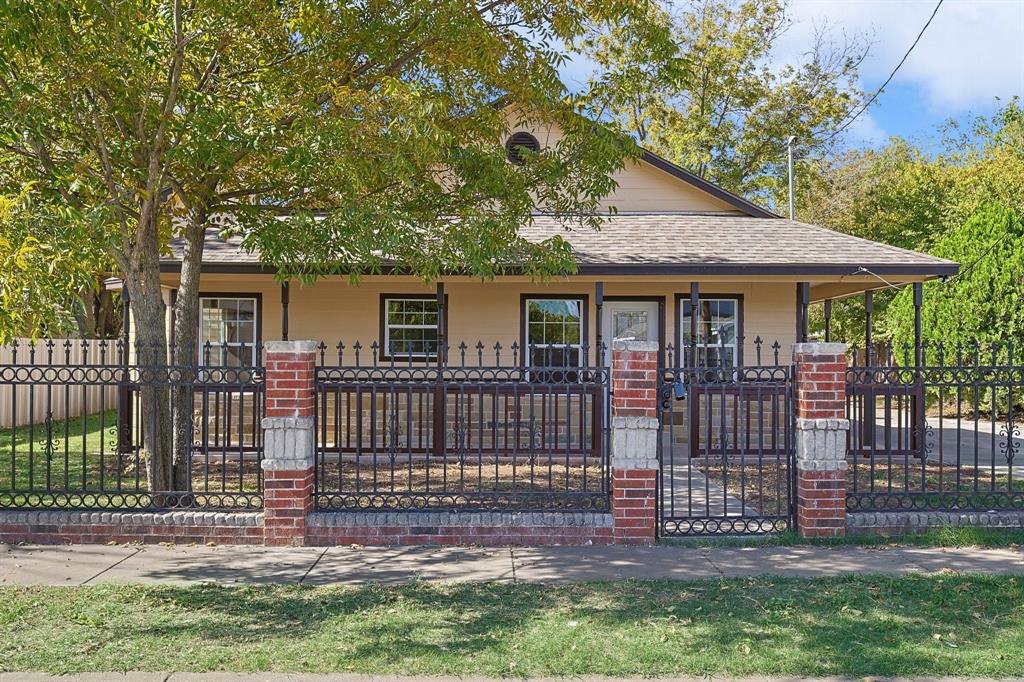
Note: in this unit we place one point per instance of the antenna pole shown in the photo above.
(789, 154)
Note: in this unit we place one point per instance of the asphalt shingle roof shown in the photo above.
(672, 243)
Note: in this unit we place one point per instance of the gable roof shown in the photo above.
(739, 203)
(675, 244)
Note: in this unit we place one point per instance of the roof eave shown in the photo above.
(687, 269)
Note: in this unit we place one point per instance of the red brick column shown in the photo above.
(634, 430)
(821, 426)
(288, 441)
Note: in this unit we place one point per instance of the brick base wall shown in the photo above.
(182, 527)
(287, 501)
(633, 505)
(459, 528)
(821, 503)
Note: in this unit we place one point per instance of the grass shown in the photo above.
(855, 626)
(932, 537)
(79, 456)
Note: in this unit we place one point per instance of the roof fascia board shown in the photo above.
(809, 269)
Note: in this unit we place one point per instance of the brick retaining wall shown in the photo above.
(459, 528)
(183, 527)
(900, 523)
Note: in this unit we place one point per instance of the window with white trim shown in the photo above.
(717, 331)
(229, 325)
(554, 332)
(411, 327)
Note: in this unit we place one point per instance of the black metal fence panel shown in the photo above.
(726, 445)
(936, 428)
(475, 429)
(77, 414)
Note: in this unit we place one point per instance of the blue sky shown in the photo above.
(972, 53)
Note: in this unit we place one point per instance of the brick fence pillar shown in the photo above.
(288, 441)
(821, 426)
(634, 441)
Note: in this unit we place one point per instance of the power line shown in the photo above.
(985, 254)
(887, 80)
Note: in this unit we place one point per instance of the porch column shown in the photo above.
(285, 300)
(694, 321)
(288, 454)
(869, 326)
(868, 435)
(599, 320)
(828, 320)
(803, 299)
(821, 423)
(634, 445)
(918, 303)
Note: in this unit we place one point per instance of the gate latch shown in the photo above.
(679, 388)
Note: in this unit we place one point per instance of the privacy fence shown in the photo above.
(558, 444)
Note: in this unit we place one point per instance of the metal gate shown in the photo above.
(726, 450)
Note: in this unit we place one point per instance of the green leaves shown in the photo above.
(985, 302)
(378, 118)
(950, 204)
(44, 264)
(714, 103)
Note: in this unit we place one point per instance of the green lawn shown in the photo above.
(932, 537)
(857, 626)
(88, 443)
(79, 456)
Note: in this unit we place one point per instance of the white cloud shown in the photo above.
(972, 52)
(866, 132)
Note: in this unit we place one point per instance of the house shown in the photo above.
(523, 414)
(675, 237)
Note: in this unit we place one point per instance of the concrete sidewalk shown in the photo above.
(93, 564)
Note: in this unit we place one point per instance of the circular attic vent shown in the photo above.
(519, 142)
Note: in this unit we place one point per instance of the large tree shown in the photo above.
(332, 135)
(984, 302)
(723, 104)
(901, 195)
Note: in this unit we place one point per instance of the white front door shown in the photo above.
(636, 320)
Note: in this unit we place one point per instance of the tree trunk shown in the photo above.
(149, 357)
(106, 317)
(187, 354)
(85, 316)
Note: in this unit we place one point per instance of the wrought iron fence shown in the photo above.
(476, 428)
(100, 459)
(937, 427)
(726, 445)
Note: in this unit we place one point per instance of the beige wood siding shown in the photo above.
(489, 312)
(641, 186)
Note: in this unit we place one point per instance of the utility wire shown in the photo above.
(988, 252)
(877, 92)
